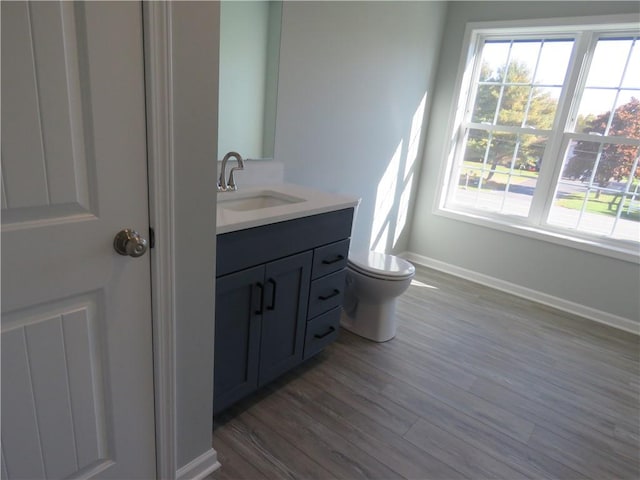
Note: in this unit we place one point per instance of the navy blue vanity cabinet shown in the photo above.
(279, 290)
(239, 299)
(285, 315)
(261, 316)
(325, 296)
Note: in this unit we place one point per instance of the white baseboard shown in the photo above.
(199, 467)
(599, 316)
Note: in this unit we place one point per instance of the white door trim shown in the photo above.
(157, 55)
(159, 27)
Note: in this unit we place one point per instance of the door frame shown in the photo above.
(158, 58)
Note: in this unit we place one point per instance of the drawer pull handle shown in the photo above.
(273, 294)
(261, 287)
(331, 295)
(331, 330)
(333, 260)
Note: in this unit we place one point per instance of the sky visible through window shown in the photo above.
(608, 62)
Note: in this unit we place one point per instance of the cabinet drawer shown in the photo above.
(254, 246)
(326, 293)
(330, 258)
(321, 331)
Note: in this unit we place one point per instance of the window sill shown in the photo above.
(624, 251)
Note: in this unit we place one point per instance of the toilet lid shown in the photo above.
(380, 265)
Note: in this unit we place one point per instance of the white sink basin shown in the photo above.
(256, 201)
(255, 206)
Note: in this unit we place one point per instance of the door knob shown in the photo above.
(129, 242)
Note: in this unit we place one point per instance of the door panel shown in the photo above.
(285, 316)
(237, 336)
(77, 391)
(42, 117)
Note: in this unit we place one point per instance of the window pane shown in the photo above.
(628, 225)
(530, 154)
(595, 109)
(608, 62)
(506, 181)
(477, 142)
(522, 64)
(554, 60)
(494, 59)
(542, 109)
(594, 190)
(512, 105)
(484, 109)
(626, 117)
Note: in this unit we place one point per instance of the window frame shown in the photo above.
(582, 30)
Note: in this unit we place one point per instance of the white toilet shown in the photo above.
(374, 282)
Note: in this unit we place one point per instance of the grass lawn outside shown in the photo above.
(500, 176)
(604, 204)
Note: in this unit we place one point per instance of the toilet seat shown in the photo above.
(379, 265)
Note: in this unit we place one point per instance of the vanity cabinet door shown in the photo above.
(286, 296)
(239, 298)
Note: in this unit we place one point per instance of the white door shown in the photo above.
(77, 388)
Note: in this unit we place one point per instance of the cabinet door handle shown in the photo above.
(333, 260)
(261, 287)
(331, 330)
(331, 295)
(273, 294)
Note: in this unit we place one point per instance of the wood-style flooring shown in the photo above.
(476, 384)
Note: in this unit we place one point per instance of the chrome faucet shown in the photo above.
(223, 185)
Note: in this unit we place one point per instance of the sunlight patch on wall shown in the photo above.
(394, 189)
(414, 138)
(385, 199)
(409, 169)
(403, 210)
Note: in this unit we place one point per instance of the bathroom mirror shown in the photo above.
(249, 57)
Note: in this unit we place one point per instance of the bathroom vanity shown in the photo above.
(281, 259)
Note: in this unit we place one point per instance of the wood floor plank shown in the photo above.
(263, 450)
(377, 408)
(433, 320)
(451, 449)
(564, 389)
(342, 458)
(452, 422)
(563, 425)
(476, 384)
(443, 394)
(344, 419)
(589, 461)
(234, 464)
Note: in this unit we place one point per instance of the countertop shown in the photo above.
(312, 202)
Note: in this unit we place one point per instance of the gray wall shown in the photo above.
(588, 279)
(195, 25)
(352, 77)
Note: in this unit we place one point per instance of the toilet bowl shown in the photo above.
(374, 282)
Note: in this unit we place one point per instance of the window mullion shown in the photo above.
(554, 153)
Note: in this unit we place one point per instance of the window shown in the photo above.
(548, 133)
